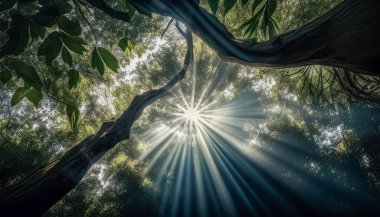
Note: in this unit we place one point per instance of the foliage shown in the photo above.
(64, 30)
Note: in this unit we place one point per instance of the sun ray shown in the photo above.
(222, 191)
(200, 154)
(193, 148)
(207, 159)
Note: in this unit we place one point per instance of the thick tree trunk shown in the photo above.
(346, 37)
(35, 193)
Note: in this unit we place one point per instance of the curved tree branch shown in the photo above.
(39, 190)
(101, 5)
(345, 37)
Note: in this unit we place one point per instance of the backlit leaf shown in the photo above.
(50, 47)
(244, 2)
(126, 45)
(68, 26)
(109, 59)
(19, 94)
(73, 115)
(97, 62)
(74, 78)
(213, 5)
(34, 96)
(66, 56)
(27, 73)
(228, 4)
(73, 43)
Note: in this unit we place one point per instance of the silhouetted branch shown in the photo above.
(101, 5)
(39, 190)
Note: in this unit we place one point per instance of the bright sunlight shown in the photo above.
(191, 114)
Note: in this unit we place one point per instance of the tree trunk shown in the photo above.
(346, 37)
(35, 193)
(38, 191)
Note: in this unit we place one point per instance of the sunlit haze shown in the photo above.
(191, 114)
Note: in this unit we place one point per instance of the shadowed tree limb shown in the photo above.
(101, 5)
(345, 37)
(35, 193)
(167, 27)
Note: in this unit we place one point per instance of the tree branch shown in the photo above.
(101, 5)
(345, 37)
(39, 190)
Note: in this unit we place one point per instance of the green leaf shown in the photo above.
(74, 78)
(5, 76)
(73, 43)
(18, 36)
(66, 56)
(63, 6)
(109, 59)
(19, 94)
(50, 47)
(73, 38)
(97, 62)
(68, 26)
(130, 46)
(252, 23)
(272, 28)
(228, 4)
(271, 6)
(268, 25)
(256, 3)
(244, 2)
(44, 20)
(213, 5)
(37, 30)
(50, 11)
(262, 21)
(125, 44)
(34, 96)
(55, 8)
(27, 73)
(73, 115)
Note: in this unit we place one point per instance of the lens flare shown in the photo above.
(197, 153)
(207, 159)
(191, 114)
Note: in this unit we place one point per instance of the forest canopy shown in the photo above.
(189, 108)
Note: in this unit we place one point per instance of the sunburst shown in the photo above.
(192, 149)
(207, 163)
(191, 114)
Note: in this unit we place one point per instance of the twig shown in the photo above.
(167, 27)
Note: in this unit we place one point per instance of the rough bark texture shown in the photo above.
(38, 191)
(345, 37)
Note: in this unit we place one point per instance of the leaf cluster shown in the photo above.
(58, 29)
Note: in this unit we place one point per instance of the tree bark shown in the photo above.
(35, 193)
(345, 37)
